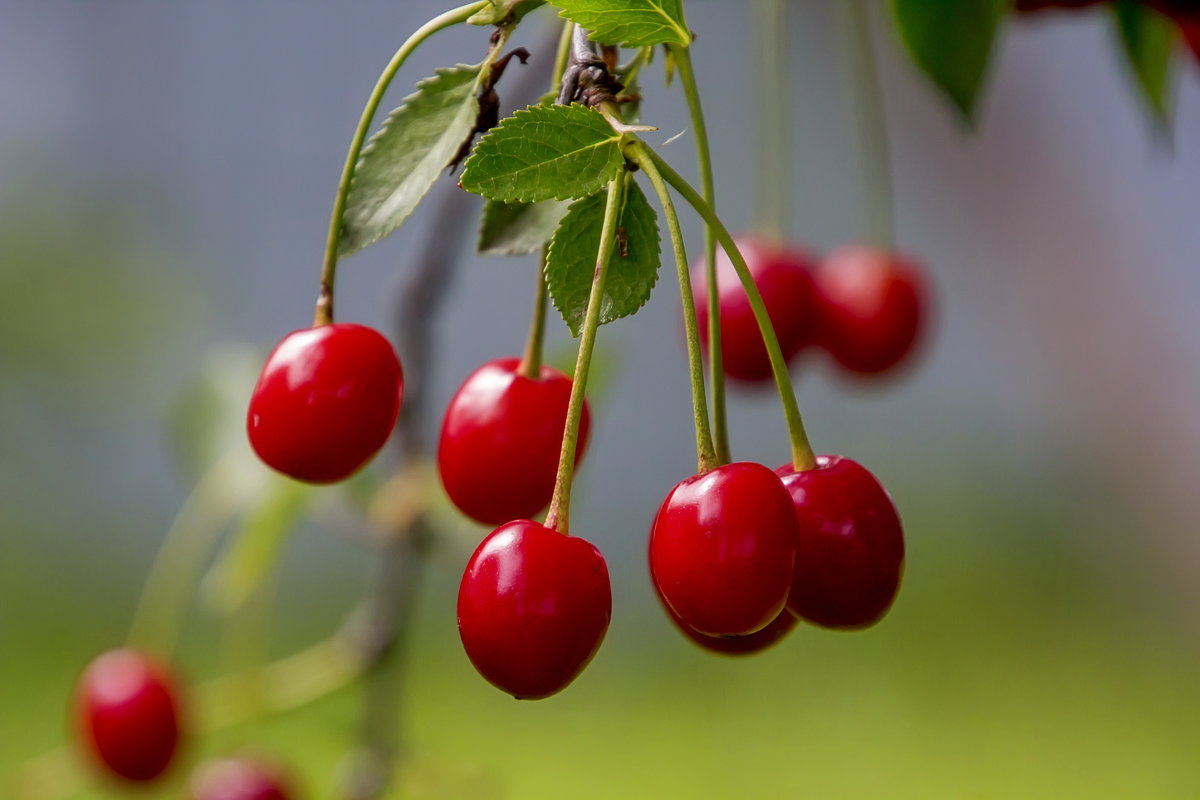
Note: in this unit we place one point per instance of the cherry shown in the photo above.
(533, 608)
(239, 779)
(873, 306)
(500, 442)
(851, 547)
(722, 548)
(783, 279)
(736, 645)
(127, 710)
(326, 402)
(1191, 35)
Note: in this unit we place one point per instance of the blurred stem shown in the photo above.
(874, 172)
(324, 310)
(774, 119)
(246, 634)
(558, 516)
(531, 361)
(562, 54)
(802, 453)
(720, 427)
(707, 458)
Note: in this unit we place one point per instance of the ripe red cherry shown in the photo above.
(533, 608)
(500, 442)
(239, 779)
(851, 547)
(722, 548)
(873, 304)
(1191, 35)
(127, 710)
(326, 402)
(784, 281)
(736, 645)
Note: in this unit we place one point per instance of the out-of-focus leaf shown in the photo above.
(1147, 42)
(514, 229)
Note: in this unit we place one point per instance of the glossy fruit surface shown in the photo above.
(500, 441)
(785, 283)
(533, 608)
(127, 711)
(722, 549)
(239, 779)
(754, 643)
(326, 402)
(851, 548)
(873, 308)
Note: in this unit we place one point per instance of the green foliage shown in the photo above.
(402, 161)
(632, 273)
(505, 9)
(543, 153)
(514, 229)
(632, 23)
(1148, 40)
(952, 42)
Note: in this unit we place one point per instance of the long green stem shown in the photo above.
(707, 457)
(324, 311)
(559, 516)
(802, 452)
(562, 54)
(874, 172)
(531, 361)
(774, 120)
(716, 366)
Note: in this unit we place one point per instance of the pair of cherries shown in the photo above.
(865, 306)
(739, 553)
(130, 721)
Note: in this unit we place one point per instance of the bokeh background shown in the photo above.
(166, 172)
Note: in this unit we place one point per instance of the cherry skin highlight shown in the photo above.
(326, 402)
(239, 779)
(873, 308)
(850, 556)
(533, 608)
(736, 645)
(783, 278)
(500, 441)
(722, 549)
(128, 714)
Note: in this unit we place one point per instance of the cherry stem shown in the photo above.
(874, 173)
(323, 314)
(558, 516)
(774, 120)
(716, 367)
(562, 55)
(531, 361)
(802, 453)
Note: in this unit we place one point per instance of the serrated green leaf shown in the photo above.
(544, 153)
(403, 160)
(631, 23)
(632, 273)
(501, 10)
(1147, 40)
(952, 42)
(516, 229)
(254, 547)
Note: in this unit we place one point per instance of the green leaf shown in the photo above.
(632, 273)
(502, 10)
(403, 160)
(255, 546)
(543, 153)
(952, 42)
(1148, 40)
(632, 23)
(515, 229)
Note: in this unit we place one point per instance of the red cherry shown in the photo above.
(735, 645)
(326, 402)
(873, 307)
(239, 779)
(851, 547)
(500, 442)
(127, 710)
(783, 279)
(533, 608)
(1191, 35)
(722, 548)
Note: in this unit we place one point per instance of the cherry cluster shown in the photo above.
(131, 721)
(862, 305)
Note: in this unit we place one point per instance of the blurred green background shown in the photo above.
(166, 174)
